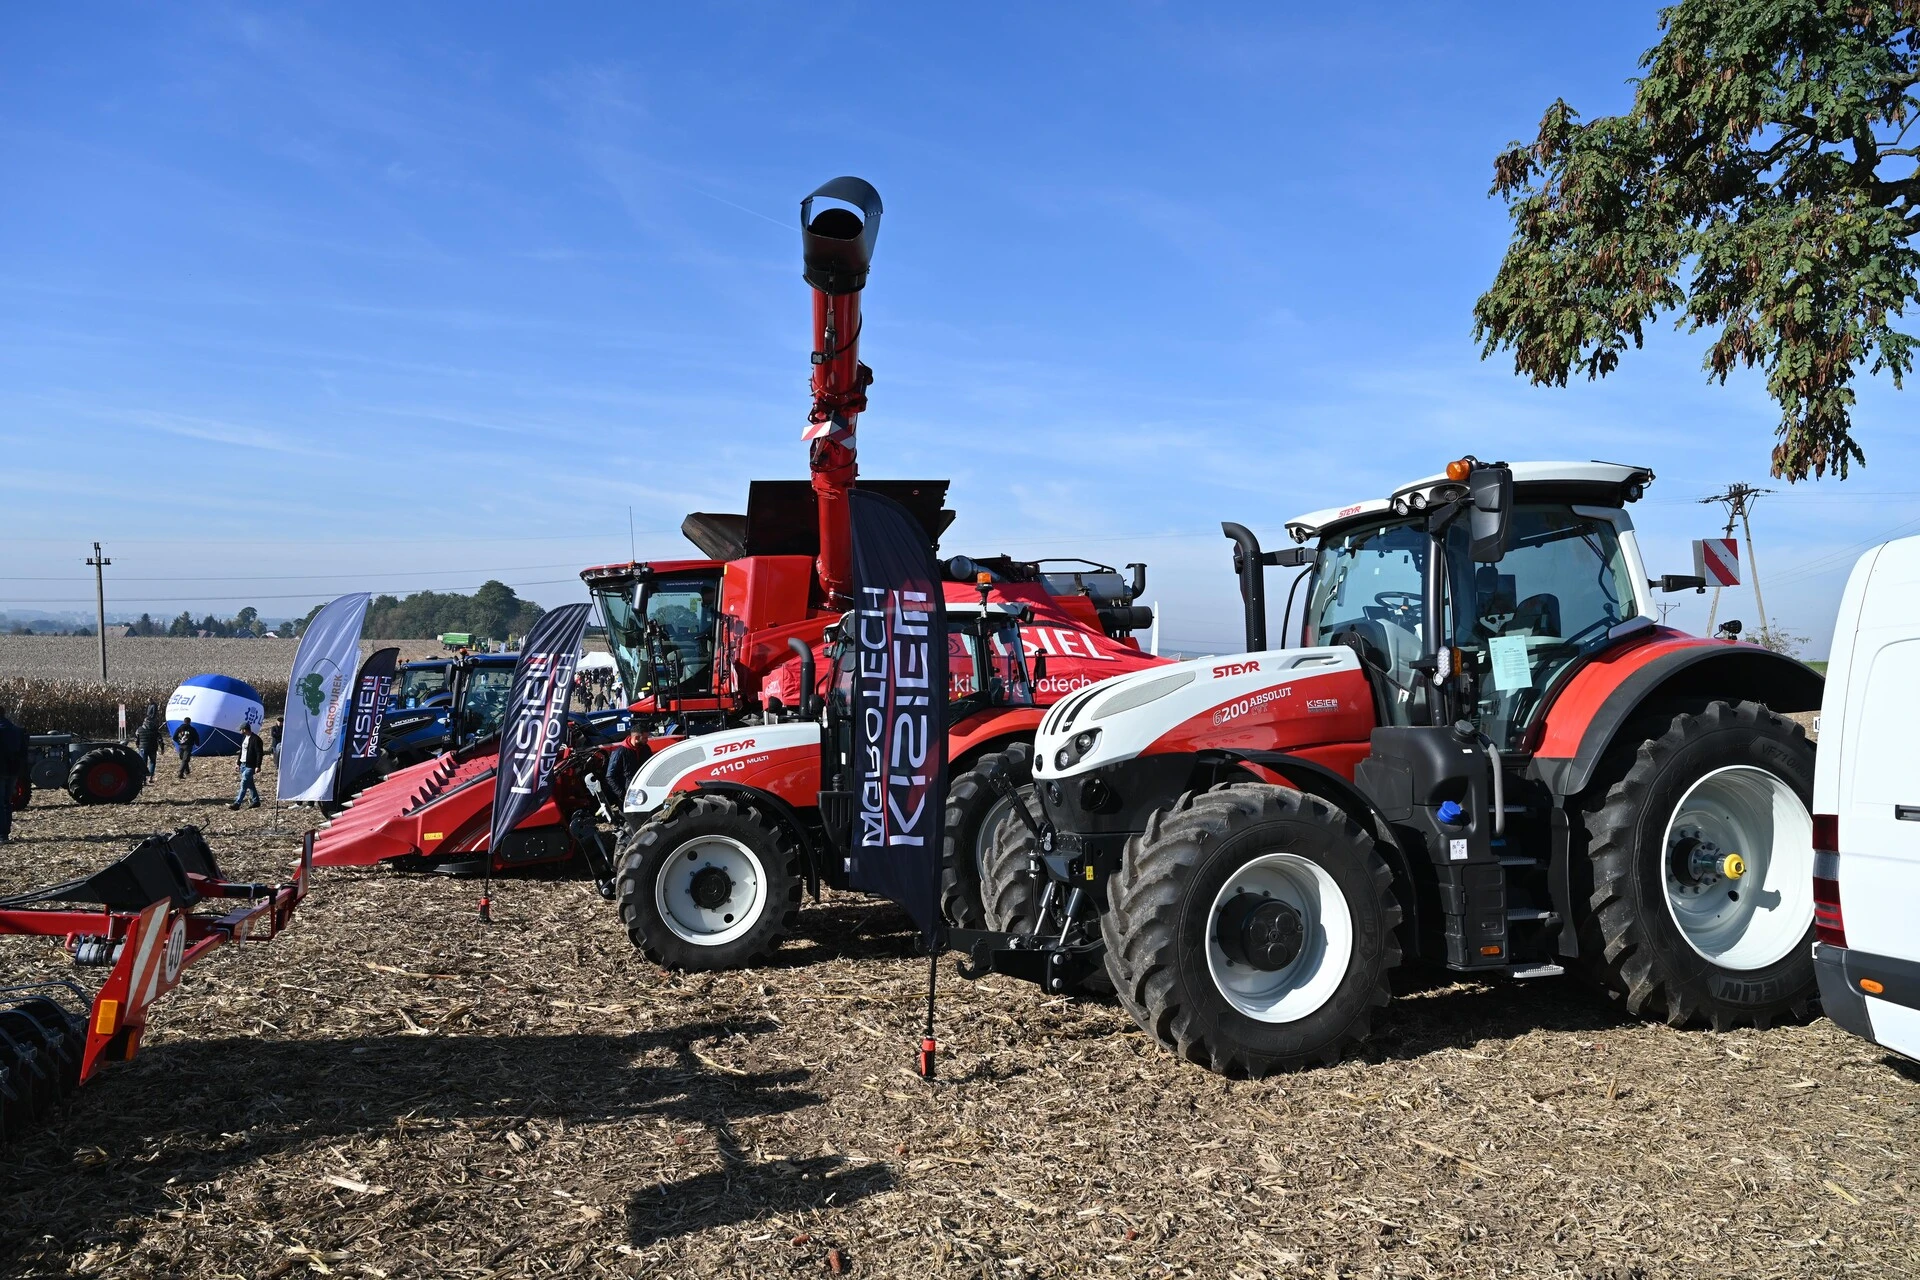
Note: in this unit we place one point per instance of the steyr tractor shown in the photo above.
(707, 644)
(1485, 756)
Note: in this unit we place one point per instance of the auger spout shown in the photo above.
(837, 248)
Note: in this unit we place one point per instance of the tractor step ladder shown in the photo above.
(1538, 969)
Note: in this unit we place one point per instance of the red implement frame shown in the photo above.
(157, 945)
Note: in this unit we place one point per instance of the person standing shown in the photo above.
(185, 739)
(273, 741)
(14, 765)
(148, 737)
(253, 752)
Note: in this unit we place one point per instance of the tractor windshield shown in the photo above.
(1562, 586)
(418, 684)
(663, 641)
(483, 701)
(1367, 593)
(986, 660)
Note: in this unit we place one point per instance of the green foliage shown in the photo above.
(494, 611)
(1763, 184)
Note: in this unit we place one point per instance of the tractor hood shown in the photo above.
(781, 758)
(1279, 700)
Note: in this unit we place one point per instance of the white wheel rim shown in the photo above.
(718, 925)
(1754, 920)
(1326, 952)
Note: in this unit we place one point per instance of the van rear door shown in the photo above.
(1877, 786)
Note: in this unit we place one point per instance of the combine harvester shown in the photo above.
(709, 645)
(1485, 756)
(140, 923)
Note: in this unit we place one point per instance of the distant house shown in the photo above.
(119, 630)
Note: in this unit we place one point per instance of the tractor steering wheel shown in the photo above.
(1398, 600)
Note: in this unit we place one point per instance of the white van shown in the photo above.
(1866, 800)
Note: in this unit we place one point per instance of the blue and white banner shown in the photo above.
(320, 699)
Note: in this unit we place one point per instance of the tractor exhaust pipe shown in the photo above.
(809, 697)
(1250, 565)
(836, 249)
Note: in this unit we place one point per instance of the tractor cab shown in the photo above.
(421, 684)
(1567, 582)
(986, 659)
(663, 625)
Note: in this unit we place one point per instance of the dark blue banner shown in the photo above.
(899, 708)
(534, 729)
(365, 715)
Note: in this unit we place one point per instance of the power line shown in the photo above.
(295, 595)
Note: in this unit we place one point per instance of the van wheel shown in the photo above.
(974, 812)
(1255, 929)
(1701, 850)
(713, 885)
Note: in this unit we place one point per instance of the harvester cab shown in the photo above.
(1485, 755)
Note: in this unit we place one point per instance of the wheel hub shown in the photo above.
(1260, 932)
(711, 887)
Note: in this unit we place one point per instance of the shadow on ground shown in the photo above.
(188, 1114)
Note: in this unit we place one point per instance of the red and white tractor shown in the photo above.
(1485, 755)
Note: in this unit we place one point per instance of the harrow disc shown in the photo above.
(41, 1046)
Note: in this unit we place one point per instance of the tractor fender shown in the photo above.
(1317, 779)
(992, 731)
(1592, 707)
(777, 809)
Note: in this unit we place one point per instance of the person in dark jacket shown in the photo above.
(148, 737)
(253, 752)
(14, 765)
(273, 741)
(185, 739)
(624, 761)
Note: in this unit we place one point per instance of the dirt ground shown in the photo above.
(393, 1089)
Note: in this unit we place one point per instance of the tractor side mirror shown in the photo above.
(1491, 489)
(1291, 557)
(1680, 582)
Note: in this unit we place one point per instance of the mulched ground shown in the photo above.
(392, 1089)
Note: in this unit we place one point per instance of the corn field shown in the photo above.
(53, 682)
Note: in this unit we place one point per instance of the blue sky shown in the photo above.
(296, 300)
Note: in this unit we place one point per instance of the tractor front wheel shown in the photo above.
(1254, 929)
(107, 775)
(715, 884)
(975, 811)
(1700, 841)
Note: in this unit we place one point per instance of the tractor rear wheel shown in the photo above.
(22, 793)
(1011, 894)
(1700, 843)
(974, 813)
(714, 884)
(111, 774)
(1254, 928)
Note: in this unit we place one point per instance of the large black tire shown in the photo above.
(112, 774)
(1011, 894)
(1161, 925)
(697, 834)
(974, 811)
(1629, 941)
(22, 792)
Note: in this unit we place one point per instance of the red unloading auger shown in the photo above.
(837, 247)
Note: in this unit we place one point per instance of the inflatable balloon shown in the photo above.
(218, 706)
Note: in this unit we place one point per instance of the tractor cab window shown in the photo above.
(1367, 594)
(418, 684)
(1563, 584)
(987, 660)
(663, 642)
(483, 703)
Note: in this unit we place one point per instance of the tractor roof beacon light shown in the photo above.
(837, 250)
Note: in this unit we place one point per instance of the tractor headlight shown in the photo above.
(1076, 749)
(1400, 506)
(1417, 500)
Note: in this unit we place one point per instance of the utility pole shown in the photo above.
(1738, 500)
(1665, 607)
(99, 564)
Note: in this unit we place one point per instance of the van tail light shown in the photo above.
(1828, 925)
